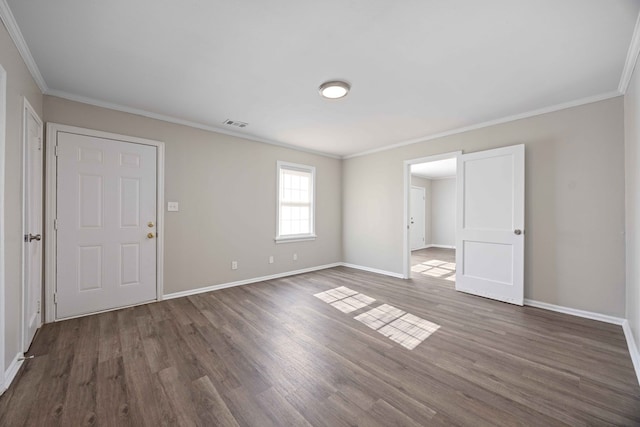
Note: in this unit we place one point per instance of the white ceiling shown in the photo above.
(435, 170)
(417, 67)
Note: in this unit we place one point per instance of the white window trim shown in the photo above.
(296, 237)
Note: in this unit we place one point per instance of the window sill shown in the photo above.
(291, 239)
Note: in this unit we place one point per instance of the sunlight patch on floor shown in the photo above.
(404, 328)
(436, 268)
(344, 299)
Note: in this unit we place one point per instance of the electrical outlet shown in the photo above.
(271, 259)
(173, 206)
(295, 257)
(234, 265)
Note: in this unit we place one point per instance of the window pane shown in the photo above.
(295, 199)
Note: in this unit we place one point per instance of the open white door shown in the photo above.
(490, 224)
(32, 182)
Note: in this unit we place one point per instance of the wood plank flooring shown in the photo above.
(272, 354)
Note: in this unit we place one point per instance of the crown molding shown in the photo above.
(632, 58)
(533, 113)
(16, 35)
(175, 120)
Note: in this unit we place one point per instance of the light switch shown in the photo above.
(173, 206)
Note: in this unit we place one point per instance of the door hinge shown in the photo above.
(38, 306)
(40, 143)
(55, 224)
(55, 297)
(56, 151)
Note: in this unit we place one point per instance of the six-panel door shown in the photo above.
(106, 214)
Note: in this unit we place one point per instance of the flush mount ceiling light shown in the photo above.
(334, 89)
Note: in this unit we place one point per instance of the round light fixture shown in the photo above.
(334, 89)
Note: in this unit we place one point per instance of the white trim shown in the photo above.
(406, 245)
(575, 312)
(420, 248)
(282, 165)
(442, 246)
(16, 35)
(248, 281)
(170, 119)
(11, 372)
(433, 179)
(27, 109)
(373, 270)
(633, 349)
(51, 201)
(545, 110)
(293, 239)
(3, 129)
(632, 58)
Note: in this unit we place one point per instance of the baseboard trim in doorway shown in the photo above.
(11, 372)
(247, 281)
(373, 270)
(575, 312)
(441, 246)
(633, 348)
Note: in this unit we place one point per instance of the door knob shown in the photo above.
(32, 237)
(517, 232)
(151, 235)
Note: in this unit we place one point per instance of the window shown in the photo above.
(296, 202)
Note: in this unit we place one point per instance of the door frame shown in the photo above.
(406, 255)
(26, 110)
(51, 177)
(3, 130)
(424, 215)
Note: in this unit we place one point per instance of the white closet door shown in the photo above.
(106, 214)
(490, 229)
(417, 220)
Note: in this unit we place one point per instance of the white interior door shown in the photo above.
(490, 224)
(417, 219)
(106, 224)
(32, 225)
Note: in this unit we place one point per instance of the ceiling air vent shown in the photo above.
(235, 123)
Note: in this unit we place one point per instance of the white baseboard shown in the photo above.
(373, 270)
(441, 246)
(421, 247)
(633, 349)
(247, 281)
(11, 372)
(575, 312)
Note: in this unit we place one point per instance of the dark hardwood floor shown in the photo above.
(273, 354)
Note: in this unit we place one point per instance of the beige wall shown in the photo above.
(226, 188)
(632, 171)
(443, 211)
(417, 181)
(574, 252)
(19, 84)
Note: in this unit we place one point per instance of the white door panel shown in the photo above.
(490, 229)
(32, 226)
(106, 209)
(417, 219)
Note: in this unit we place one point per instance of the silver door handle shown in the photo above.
(31, 237)
(517, 232)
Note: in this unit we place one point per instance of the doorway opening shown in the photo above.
(431, 194)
